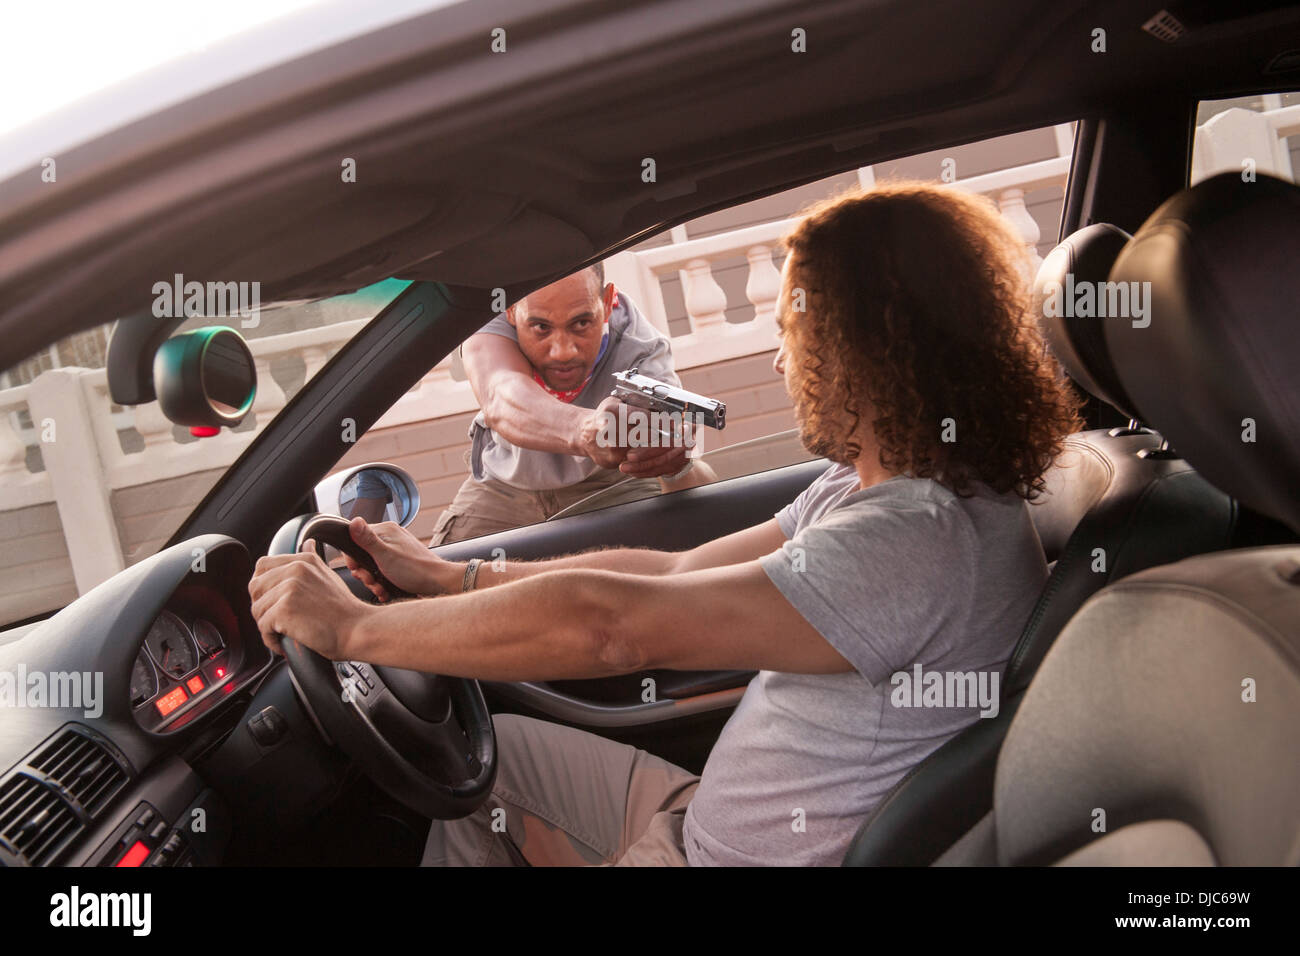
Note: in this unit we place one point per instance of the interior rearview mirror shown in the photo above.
(205, 379)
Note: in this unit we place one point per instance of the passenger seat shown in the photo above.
(1171, 701)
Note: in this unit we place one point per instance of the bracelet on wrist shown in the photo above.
(690, 463)
(471, 574)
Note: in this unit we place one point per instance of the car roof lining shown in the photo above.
(511, 173)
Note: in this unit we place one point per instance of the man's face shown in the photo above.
(560, 328)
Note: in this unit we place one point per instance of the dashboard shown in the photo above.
(169, 657)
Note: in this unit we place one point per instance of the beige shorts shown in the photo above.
(485, 507)
(564, 797)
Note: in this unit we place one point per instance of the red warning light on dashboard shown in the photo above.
(169, 702)
(195, 684)
(134, 856)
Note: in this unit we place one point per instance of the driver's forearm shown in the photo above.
(522, 413)
(627, 560)
(548, 627)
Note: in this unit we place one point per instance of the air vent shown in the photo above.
(81, 767)
(1204, 20)
(1165, 26)
(52, 796)
(36, 824)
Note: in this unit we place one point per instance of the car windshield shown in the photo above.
(91, 487)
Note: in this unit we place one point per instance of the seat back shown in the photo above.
(1174, 696)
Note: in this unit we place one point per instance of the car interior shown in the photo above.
(1173, 543)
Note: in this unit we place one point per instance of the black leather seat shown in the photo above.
(1117, 502)
(1146, 706)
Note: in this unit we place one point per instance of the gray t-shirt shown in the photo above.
(633, 341)
(900, 574)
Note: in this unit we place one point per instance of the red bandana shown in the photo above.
(564, 395)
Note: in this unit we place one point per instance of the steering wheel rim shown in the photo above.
(448, 764)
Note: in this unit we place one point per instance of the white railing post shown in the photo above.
(706, 303)
(13, 450)
(76, 469)
(764, 286)
(1011, 203)
(1230, 138)
(314, 358)
(270, 397)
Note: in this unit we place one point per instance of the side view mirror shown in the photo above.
(376, 491)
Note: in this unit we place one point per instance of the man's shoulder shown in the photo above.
(839, 485)
(499, 325)
(905, 512)
(626, 320)
(635, 342)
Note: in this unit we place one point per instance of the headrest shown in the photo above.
(1067, 306)
(1216, 366)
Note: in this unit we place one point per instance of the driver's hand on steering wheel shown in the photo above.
(401, 556)
(299, 596)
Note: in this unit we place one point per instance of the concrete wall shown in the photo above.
(34, 565)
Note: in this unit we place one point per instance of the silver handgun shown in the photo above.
(642, 391)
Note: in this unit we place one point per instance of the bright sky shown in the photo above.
(54, 54)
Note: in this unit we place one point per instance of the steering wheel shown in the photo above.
(447, 761)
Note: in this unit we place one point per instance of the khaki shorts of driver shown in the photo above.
(564, 797)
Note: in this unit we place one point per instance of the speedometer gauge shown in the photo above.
(209, 639)
(144, 679)
(171, 646)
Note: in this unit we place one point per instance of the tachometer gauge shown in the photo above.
(170, 646)
(144, 680)
(208, 638)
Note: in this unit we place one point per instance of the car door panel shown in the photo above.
(673, 522)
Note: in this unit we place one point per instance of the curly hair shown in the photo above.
(916, 316)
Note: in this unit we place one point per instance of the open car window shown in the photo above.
(1252, 135)
(709, 286)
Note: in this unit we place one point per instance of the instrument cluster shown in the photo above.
(186, 658)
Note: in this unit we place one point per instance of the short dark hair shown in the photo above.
(599, 269)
